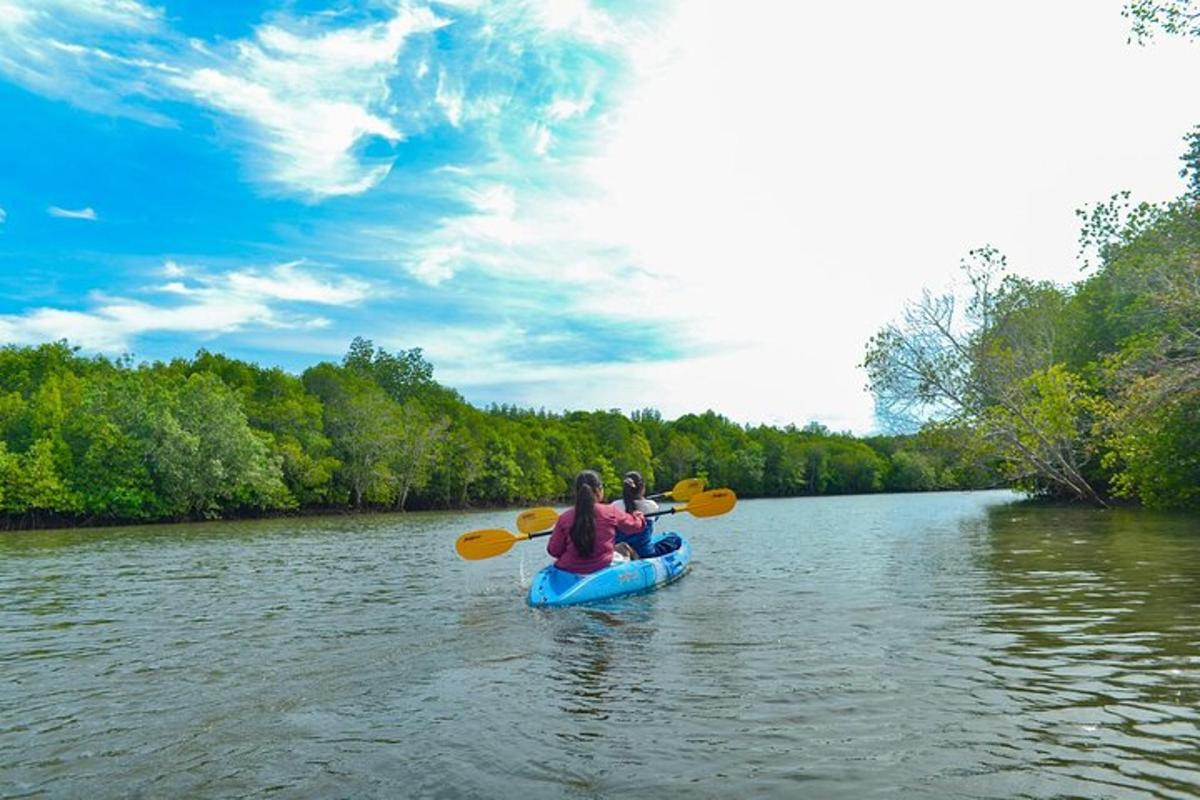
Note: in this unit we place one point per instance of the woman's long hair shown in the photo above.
(632, 488)
(583, 527)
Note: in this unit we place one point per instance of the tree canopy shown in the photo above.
(1089, 391)
(89, 439)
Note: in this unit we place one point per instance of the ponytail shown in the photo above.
(583, 527)
(631, 490)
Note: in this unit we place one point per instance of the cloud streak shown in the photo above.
(323, 104)
(283, 282)
(206, 305)
(308, 102)
(462, 123)
(88, 213)
(71, 50)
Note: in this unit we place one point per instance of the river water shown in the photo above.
(938, 645)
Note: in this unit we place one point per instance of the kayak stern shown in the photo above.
(553, 587)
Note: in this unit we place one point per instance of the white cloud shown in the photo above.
(541, 138)
(545, 233)
(103, 55)
(773, 193)
(449, 99)
(323, 104)
(113, 13)
(576, 18)
(310, 101)
(102, 14)
(563, 109)
(66, 213)
(49, 324)
(281, 283)
(112, 325)
(3, 216)
(781, 180)
(213, 304)
(288, 282)
(436, 264)
(54, 47)
(173, 270)
(13, 15)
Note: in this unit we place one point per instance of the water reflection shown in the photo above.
(1099, 658)
(598, 654)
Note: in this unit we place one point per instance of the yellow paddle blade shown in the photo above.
(486, 543)
(686, 489)
(711, 503)
(537, 519)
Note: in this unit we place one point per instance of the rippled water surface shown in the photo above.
(946, 645)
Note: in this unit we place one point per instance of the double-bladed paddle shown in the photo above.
(682, 491)
(491, 542)
(544, 517)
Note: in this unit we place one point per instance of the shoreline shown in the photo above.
(325, 512)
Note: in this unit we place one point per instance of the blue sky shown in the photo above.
(274, 181)
(566, 203)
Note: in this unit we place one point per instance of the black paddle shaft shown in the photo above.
(647, 516)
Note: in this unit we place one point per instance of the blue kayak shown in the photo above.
(556, 587)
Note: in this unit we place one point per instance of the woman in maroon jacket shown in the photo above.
(584, 536)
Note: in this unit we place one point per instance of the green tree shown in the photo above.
(111, 474)
(36, 485)
(364, 425)
(679, 459)
(911, 472)
(1154, 448)
(854, 468)
(401, 375)
(972, 369)
(501, 481)
(817, 469)
(277, 405)
(459, 464)
(1172, 17)
(205, 457)
(1144, 308)
(414, 448)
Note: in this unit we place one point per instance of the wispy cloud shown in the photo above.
(324, 103)
(310, 96)
(126, 14)
(88, 213)
(466, 122)
(48, 16)
(310, 101)
(550, 181)
(283, 282)
(3, 216)
(75, 50)
(208, 304)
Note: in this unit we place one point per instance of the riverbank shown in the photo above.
(44, 523)
(86, 438)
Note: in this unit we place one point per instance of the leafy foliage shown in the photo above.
(1172, 17)
(1090, 391)
(993, 368)
(89, 439)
